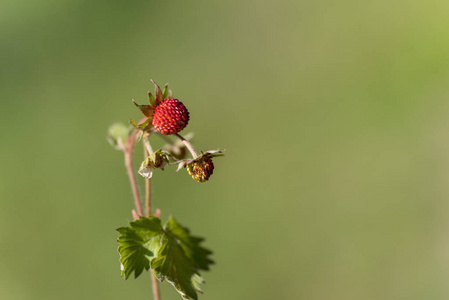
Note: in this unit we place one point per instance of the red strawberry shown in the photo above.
(170, 116)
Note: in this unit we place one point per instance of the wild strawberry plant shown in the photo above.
(169, 252)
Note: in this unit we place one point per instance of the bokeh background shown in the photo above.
(335, 117)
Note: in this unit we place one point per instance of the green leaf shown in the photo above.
(172, 264)
(190, 244)
(137, 245)
(179, 258)
(173, 254)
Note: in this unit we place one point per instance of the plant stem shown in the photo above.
(148, 197)
(147, 190)
(156, 291)
(188, 145)
(146, 148)
(131, 174)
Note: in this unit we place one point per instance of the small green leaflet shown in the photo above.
(190, 245)
(134, 243)
(174, 254)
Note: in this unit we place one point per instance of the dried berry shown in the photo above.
(201, 168)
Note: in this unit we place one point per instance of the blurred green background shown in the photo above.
(335, 118)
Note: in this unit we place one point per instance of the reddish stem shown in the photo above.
(188, 145)
(130, 168)
(156, 291)
(147, 190)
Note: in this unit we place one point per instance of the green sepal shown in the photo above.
(145, 109)
(158, 92)
(151, 99)
(139, 137)
(213, 153)
(133, 123)
(165, 92)
(142, 125)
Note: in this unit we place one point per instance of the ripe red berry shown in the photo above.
(170, 116)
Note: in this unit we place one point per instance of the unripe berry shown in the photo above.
(202, 168)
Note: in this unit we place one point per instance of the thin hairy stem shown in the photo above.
(156, 291)
(147, 190)
(131, 174)
(147, 146)
(149, 150)
(188, 145)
